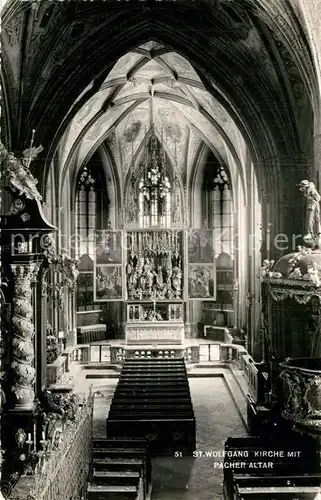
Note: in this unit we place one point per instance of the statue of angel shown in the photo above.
(16, 174)
(266, 269)
(313, 226)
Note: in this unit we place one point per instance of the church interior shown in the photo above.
(160, 250)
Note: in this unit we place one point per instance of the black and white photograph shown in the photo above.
(160, 236)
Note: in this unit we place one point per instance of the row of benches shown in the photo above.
(153, 397)
(121, 470)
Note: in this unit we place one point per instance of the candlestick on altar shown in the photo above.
(34, 436)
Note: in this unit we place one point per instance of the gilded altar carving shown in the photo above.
(23, 333)
(154, 266)
(65, 266)
(154, 333)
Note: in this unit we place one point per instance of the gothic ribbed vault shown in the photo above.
(253, 59)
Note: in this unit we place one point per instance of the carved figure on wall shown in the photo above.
(16, 175)
(313, 226)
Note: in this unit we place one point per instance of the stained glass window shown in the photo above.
(154, 190)
(86, 212)
(222, 213)
(88, 192)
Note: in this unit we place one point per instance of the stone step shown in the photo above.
(118, 452)
(117, 478)
(152, 376)
(167, 365)
(156, 383)
(142, 391)
(141, 401)
(120, 443)
(103, 492)
(154, 362)
(150, 407)
(156, 416)
(118, 464)
(155, 369)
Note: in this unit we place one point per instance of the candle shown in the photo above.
(43, 436)
(34, 437)
(29, 437)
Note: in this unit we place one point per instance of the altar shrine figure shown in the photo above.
(159, 278)
(176, 281)
(154, 267)
(176, 259)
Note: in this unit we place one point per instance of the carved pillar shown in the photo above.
(23, 332)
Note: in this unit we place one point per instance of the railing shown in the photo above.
(238, 355)
(212, 352)
(63, 467)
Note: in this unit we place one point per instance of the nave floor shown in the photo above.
(187, 478)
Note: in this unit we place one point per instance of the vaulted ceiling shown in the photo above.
(227, 72)
(151, 87)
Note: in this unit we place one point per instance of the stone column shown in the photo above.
(23, 332)
(317, 161)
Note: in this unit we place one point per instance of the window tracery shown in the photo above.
(155, 190)
(88, 202)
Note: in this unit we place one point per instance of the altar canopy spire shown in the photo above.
(155, 186)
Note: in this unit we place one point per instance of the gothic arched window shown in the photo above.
(154, 190)
(87, 219)
(222, 213)
(87, 203)
(218, 214)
